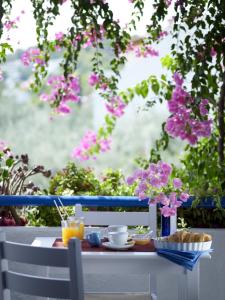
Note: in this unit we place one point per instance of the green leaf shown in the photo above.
(167, 61)
(9, 162)
(144, 89)
(5, 173)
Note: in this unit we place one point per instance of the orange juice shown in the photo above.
(81, 230)
(73, 227)
(68, 233)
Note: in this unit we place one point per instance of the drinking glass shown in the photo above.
(73, 227)
(78, 223)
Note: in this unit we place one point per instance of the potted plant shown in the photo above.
(15, 173)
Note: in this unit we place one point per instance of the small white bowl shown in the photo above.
(141, 238)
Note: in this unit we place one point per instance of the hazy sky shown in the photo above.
(24, 36)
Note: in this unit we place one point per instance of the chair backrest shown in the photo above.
(71, 288)
(102, 218)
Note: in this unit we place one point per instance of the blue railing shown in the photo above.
(101, 201)
(107, 201)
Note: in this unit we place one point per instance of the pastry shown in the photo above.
(207, 237)
(188, 238)
(183, 236)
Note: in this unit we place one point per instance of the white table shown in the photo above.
(144, 263)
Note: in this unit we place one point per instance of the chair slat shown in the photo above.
(35, 255)
(38, 286)
(123, 218)
(112, 218)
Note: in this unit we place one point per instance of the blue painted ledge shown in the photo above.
(107, 201)
(207, 202)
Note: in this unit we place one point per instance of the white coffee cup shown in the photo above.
(117, 228)
(118, 238)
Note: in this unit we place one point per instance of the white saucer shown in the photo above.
(109, 245)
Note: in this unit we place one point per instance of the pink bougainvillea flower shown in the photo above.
(90, 140)
(116, 106)
(213, 52)
(63, 109)
(33, 55)
(44, 97)
(145, 51)
(142, 50)
(10, 24)
(163, 199)
(104, 86)
(165, 167)
(155, 182)
(167, 211)
(25, 58)
(178, 79)
(150, 51)
(3, 145)
(63, 90)
(168, 2)
(152, 182)
(130, 180)
(142, 196)
(93, 79)
(182, 122)
(91, 36)
(203, 107)
(184, 197)
(177, 183)
(105, 144)
(59, 36)
(163, 34)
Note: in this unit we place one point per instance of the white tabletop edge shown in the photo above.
(49, 241)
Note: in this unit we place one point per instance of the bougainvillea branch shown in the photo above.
(156, 183)
(198, 47)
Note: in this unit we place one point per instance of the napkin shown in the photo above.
(187, 259)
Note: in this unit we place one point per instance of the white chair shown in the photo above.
(41, 286)
(133, 218)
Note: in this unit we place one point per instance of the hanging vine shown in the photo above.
(196, 63)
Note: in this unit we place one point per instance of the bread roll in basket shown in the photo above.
(184, 240)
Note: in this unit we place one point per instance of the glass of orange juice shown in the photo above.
(73, 227)
(78, 223)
